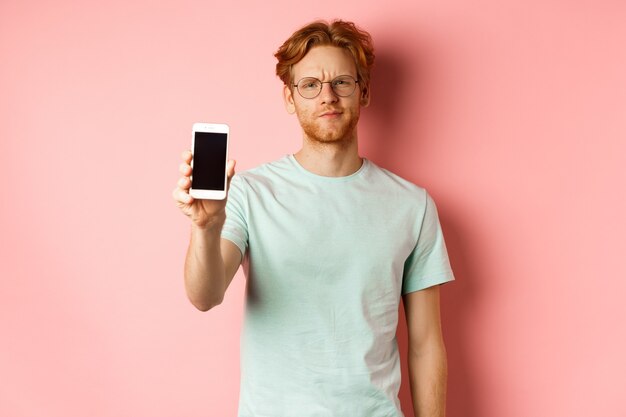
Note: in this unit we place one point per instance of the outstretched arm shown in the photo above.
(211, 261)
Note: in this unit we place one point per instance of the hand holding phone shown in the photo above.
(201, 211)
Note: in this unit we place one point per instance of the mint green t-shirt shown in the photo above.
(326, 261)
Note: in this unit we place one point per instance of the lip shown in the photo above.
(331, 114)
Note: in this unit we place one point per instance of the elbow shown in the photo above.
(205, 305)
(433, 348)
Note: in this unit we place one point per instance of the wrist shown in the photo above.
(211, 226)
(208, 222)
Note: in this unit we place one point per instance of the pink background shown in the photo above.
(511, 113)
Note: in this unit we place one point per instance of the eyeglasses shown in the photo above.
(311, 87)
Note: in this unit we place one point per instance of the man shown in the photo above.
(329, 242)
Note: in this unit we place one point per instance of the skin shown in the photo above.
(211, 262)
(329, 148)
(329, 122)
(428, 365)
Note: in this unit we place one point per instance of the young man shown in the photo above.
(329, 242)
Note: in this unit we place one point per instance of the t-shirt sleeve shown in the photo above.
(428, 263)
(236, 226)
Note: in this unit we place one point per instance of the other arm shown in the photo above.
(428, 367)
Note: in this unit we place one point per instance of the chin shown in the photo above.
(343, 135)
(330, 139)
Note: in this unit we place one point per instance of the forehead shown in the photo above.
(325, 62)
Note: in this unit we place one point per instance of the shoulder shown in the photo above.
(272, 167)
(263, 175)
(396, 185)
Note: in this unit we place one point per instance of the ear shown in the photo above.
(288, 99)
(365, 96)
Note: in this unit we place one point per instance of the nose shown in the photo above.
(327, 95)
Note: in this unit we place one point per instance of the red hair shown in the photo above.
(320, 33)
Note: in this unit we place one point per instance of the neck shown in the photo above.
(338, 159)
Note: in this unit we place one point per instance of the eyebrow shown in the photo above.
(356, 77)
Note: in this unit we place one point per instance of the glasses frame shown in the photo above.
(356, 81)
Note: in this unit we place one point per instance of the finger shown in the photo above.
(186, 156)
(230, 172)
(230, 168)
(185, 169)
(181, 196)
(184, 183)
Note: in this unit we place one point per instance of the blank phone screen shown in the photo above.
(209, 161)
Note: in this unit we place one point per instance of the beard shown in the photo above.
(342, 132)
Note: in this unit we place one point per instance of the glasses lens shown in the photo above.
(344, 86)
(309, 87)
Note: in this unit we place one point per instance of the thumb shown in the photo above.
(230, 170)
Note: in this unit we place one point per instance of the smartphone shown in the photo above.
(209, 147)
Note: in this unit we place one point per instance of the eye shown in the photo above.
(343, 82)
(309, 84)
